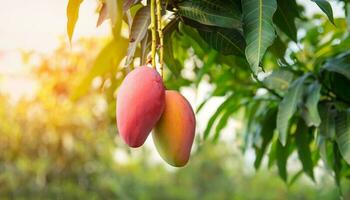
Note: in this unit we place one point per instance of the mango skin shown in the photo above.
(174, 133)
(140, 104)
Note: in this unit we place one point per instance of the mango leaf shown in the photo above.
(302, 139)
(326, 151)
(282, 155)
(218, 112)
(284, 17)
(337, 164)
(103, 14)
(279, 80)
(258, 29)
(327, 127)
(288, 106)
(340, 65)
(138, 31)
(267, 130)
(128, 3)
(169, 59)
(226, 41)
(310, 109)
(211, 12)
(326, 7)
(113, 8)
(108, 59)
(72, 16)
(343, 134)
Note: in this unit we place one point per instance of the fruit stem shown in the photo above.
(154, 34)
(160, 34)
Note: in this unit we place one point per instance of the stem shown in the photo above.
(154, 33)
(160, 34)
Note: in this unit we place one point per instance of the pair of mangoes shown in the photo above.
(143, 104)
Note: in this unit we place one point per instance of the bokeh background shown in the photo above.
(56, 147)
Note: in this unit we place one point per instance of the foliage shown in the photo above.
(293, 74)
(52, 147)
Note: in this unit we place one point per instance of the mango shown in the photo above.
(174, 133)
(140, 104)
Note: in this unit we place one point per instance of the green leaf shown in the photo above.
(326, 7)
(211, 12)
(288, 106)
(279, 80)
(343, 133)
(226, 41)
(258, 29)
(340, 65)
(138, 31)
(128, 3)
(327, 127)
(72, 16)
(106, 61)
(169, 59)
(267, 130)
(215, 116)
(112, 7)
(282, 154)
(284, 17)
(310, 110)
(302, 139)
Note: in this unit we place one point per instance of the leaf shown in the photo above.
(282, 158)
(326, 8)
(284, 17)
(72, 16)
(138, 31)
(113, 8)
(108, 59)
(279, 80)
(103, 14)
(310, 110)
(343, 133)
(214, 117)
(169, 59)
(223, 122)
(288, 106)
(128, 3)
(339, 64)
(211, 12)
(302, 139)
(208, 63)
(267, 130)
(325, 150)
(327, 127)
(337, 165)
(258, 29)
(226, 41)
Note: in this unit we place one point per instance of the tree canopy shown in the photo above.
(283, 73)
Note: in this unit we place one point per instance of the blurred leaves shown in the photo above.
(72, 16)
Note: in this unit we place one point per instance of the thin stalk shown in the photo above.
(154, 33)
(160, 34)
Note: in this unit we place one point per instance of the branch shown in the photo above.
(154, 33)
(160, 34)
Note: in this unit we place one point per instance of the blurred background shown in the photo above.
(53, 146)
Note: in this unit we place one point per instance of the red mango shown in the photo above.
(174, 133)
(140, 104)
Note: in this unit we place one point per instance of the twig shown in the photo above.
(154, 33)
(160, 34)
